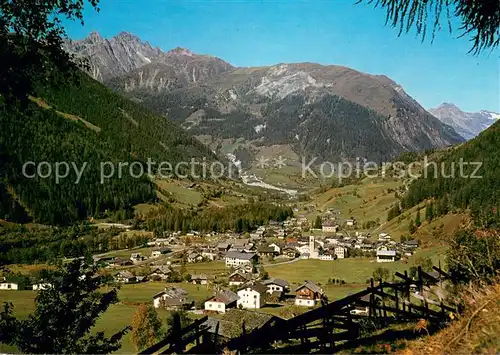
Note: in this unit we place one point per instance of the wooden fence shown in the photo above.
(331, 327)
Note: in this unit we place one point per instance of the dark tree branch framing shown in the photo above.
(31, 38)
(480, 19)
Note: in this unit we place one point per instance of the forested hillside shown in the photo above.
(476, 188)
(78, 124)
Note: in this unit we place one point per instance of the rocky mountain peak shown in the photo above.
(95, 37)
(467, 124)
(181, 51)
(129, 37)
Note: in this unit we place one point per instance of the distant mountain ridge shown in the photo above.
(332, 112)
(467, 124)
(142, 66)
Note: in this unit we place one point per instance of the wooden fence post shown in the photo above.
(408, 296)
(177, 333)
(371, 310)
(397, 302)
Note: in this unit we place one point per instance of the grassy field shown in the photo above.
(211, 268)
(126, 253)
(366, 201)
(351, 270)
(180, 192)
(371, 199)
(117, 316)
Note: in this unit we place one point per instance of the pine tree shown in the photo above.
(393, 212)
(412, 228)
(418, 221)
(65, 315)
(429, 212)
(477, 19)
(317, 223)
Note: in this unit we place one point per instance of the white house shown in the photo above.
(303, 249)
(236, 258)
(125, 277)
(210, 254)
(221, 301)
(12, 286)
(136, 257)
(172, 297)
(350, 222)
(194, 257)
(340, 252)
(276, 247)
(276, 286)
(252, 296)
(326, 256)
(385, 256)
(384, 237)
(159, 252)
(329, 227)
(333, 241)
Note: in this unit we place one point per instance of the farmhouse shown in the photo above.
(172, 298)
(238, 278)
(160, 273)
(236, 258)
(308, 294)
(240, 243)
(327, 256)
(384, 256)
(194, 257)
(330, 227)
(276, 286)
(125, 277)
(221, 301)
(384, 237)
(210, 254)
(121, 262)
(159, 242)
(159, 252)
(223, 247)
(411, 244)
(201, 279)
(360, 308)
(266, 251)
(137, 257)
(252, 296)
(277, 247)
(11, 286)
(340, 252)
(350, 222)
(289, 252)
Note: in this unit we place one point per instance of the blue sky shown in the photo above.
(254, 33)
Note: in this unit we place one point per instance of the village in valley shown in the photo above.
(228, 275)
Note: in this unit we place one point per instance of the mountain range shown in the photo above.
(330, 112)
(467, 124)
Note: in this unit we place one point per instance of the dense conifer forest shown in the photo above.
(474, 188)
(237, 218)
(78, 124)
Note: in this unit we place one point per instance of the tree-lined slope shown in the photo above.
(58, 128)
(471, 185)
